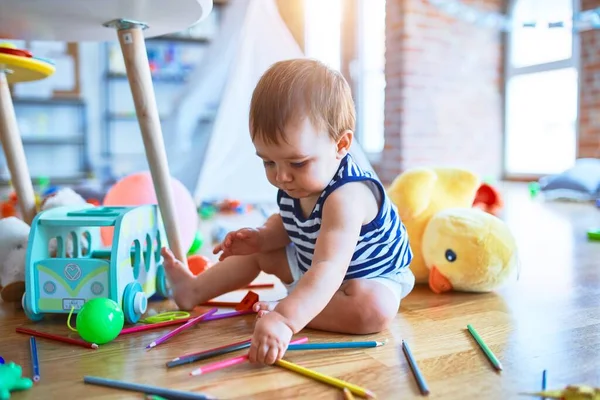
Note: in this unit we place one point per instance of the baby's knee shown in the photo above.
(374, 312)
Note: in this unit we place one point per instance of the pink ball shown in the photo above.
(138, 189)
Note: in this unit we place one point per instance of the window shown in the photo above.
(371, 75)
(322, 35)
(541, 89)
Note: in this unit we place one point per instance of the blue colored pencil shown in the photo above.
(35, 365)
(544, 380)
(146, 389)
(415, 369)
(335, 345)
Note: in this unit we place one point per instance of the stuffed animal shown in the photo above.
(468, 250)
(14, 234)
(456, 245)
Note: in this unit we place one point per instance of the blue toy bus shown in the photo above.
(129, 272)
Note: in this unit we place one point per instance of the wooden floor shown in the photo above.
(549, 319)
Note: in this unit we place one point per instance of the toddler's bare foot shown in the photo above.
(263, 307)
(181, 280)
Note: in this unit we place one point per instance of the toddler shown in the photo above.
(337, 243)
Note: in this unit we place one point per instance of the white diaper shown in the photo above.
(401, 284)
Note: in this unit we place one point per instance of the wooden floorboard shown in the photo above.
(549, 319)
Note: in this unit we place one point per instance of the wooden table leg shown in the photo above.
(14, 153)
(133, 47)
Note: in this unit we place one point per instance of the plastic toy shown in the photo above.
(100, 321)
(128, 273)
(11, 380)
(456, 246)
(571, 392)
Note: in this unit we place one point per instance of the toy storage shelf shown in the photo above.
(54, 133)
(172, 58)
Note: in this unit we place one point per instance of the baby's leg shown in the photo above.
(233, 273)
(360, 306)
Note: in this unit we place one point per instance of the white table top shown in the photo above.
(82, 20)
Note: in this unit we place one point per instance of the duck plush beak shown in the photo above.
(438, 283)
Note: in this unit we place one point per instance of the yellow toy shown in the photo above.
(571, 392)
(455, 246)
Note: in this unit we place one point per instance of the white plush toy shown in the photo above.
(14, 234)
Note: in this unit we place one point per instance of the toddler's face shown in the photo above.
(303, 164)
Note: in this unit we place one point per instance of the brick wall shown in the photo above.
(589, 105)
(444, 90)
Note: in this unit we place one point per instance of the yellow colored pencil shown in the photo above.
(348, 394)
(326, 379)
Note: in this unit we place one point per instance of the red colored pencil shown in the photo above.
(58, 338)
(259, 286)
(215, 366)
(175, 331)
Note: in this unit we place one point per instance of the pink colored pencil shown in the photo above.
(141, 328)
(175, 331)
(215, 366)
(58, 338)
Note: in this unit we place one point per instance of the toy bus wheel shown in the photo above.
(28, 312)
(162, 285)
(134, 302)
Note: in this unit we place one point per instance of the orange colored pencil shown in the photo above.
(58, 338)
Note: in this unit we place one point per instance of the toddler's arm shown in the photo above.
(273, 235)
(344, 213)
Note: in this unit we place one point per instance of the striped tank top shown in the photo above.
(383, 247)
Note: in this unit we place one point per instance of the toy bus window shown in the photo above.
(75, 243)
(148, 253)
(136, 252)
(158, 246)
(86, 248)
(56, 248)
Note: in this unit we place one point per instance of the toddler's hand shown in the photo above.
(270, 339)
(238, 243)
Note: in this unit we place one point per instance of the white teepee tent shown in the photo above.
(257, 37)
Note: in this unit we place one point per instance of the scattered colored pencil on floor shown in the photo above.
(146, 389)
(215, 366)
(260, 286)
(183, 327)
(544, 377)
(357, 390)
(58, 338)
(35, 363)
(335, 345)
(203, 355)
(348, 394)
(415, 369)
(213, 317)
(487, 351)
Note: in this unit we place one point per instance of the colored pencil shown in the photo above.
(326, 379)
(183, 327)
(35, 363)
(203, 355)
(215, 366)
(348, 394)
(147, 389)
(335, 345)
(415, 369)
(544, 377)
(213, 317)
(259, 286)
(63, 339)
(230, 304)
(488, 352)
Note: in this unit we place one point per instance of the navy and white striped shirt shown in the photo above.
(383, 247)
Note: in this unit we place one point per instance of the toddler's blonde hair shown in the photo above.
(300, 88)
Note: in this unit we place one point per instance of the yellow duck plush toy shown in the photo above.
(455, 246)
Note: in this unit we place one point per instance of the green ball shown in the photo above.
(100, 320)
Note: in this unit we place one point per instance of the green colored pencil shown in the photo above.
(490, 355)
